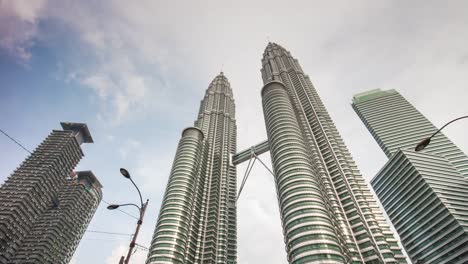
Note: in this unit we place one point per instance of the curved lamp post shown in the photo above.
(141, 209)
(423, 144)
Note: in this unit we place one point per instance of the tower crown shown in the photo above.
(80, 131)
(271, 46)
(220, 84)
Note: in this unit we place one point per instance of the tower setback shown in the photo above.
(197, 219)
(423, 193)
(43, 208)
(327, 211)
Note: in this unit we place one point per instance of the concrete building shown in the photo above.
(41, 190)
(197, 220)
(57, 233)
(327, 211)
(424, 193)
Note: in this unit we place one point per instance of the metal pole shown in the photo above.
(140, 221)
(447, 125)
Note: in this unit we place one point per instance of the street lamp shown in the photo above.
(423, 144)
(141, 209)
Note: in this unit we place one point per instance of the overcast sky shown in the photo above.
(135, 72)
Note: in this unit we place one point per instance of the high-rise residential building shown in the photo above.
(328, 213)
(57, 233)
(35, 193)
(197, 220)
(423, 193)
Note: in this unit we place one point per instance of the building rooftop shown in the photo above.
(372, 94)
(90, 177)
(78, 127)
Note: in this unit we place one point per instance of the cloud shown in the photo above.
(19, 26)
(115, 50)
(100, 83)
(130, 146)
(119, 92)
(153, 60)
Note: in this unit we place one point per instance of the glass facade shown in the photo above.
(327, 211)
(424, 193)
(197, 220)
(396, 124)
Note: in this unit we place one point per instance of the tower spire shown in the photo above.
(318, 185)
(196, 223)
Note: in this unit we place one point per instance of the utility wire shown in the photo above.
(141, 248)
(16, 142)
(27, 150)
(108, 233)
(104, 239)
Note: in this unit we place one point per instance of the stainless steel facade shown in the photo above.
(327, 211)
(43, 210)
(424, 193)
(197, 220)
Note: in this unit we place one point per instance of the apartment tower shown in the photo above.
(197, 219)
(44, 208)
(423, 193)
(327, 211)
(61, 227)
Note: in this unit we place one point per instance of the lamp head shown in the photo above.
(125, 173)
(423, 144)
(113, 206)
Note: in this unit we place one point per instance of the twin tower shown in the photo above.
(327, 211)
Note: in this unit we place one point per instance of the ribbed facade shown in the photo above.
(425, 197)
(396, 124)
(197, 220)
(57, 233)
(424, 193)
(327, 211)
(34, 191)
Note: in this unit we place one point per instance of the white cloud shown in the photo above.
(18, 26)
(129, 147)
(120, 89)
(101, 84)
(417, 47)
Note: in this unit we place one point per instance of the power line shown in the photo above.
(16, 142)
(108, 233)
(23, 147)
(105, 239)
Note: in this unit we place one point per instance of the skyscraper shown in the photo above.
(36, 190)
(396, 124)
(197, 220)
(327, 211)
(424, 193)
(57, 233)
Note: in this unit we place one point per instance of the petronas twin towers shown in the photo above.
(197, 221)
(327, 211)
